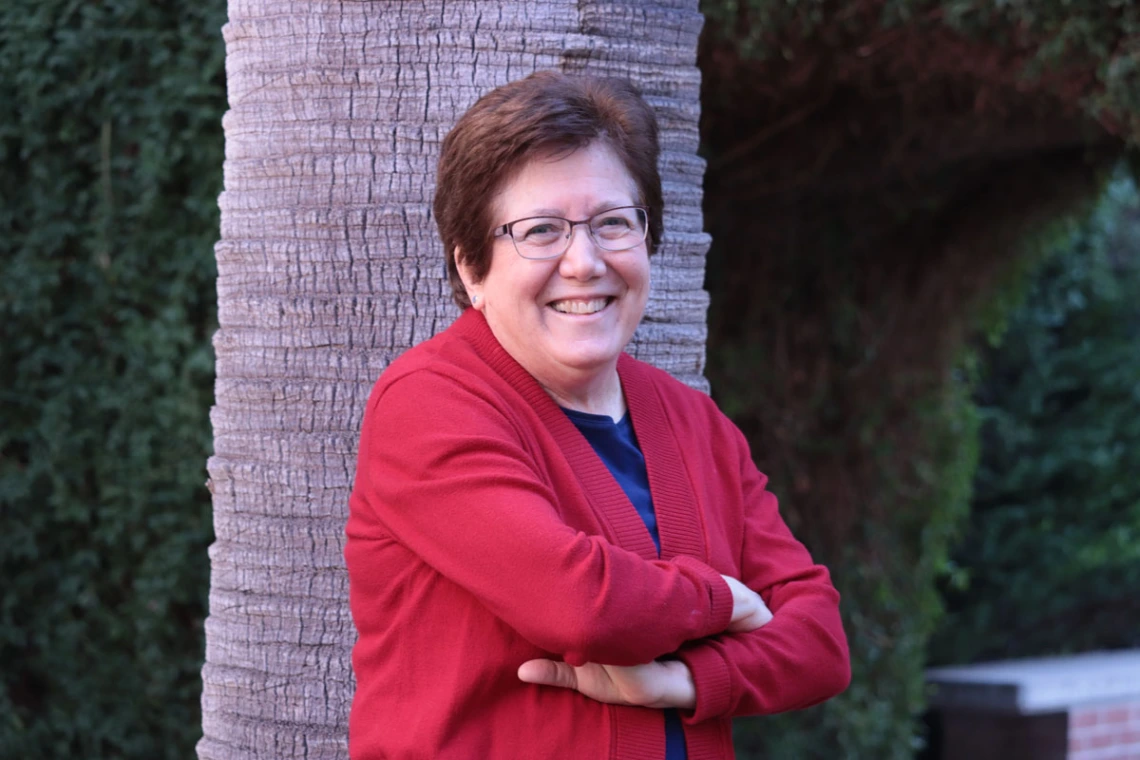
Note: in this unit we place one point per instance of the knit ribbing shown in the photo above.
(678, 522)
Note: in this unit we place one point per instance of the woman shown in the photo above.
(554, 549)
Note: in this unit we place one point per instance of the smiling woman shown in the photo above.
(555, 550)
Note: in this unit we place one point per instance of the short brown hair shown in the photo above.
(545, 112)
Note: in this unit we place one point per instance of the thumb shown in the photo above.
(548, 673)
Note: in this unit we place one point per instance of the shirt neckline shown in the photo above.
(595, 419)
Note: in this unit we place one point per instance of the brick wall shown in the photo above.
(1105, 732)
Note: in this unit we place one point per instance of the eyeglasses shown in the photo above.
(548, 237)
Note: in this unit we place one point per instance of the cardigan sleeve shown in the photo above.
(444, 473)
(800, 658)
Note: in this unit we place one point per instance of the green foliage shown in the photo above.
(110, 153)
(1052, 556)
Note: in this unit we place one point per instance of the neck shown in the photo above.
(595, 395)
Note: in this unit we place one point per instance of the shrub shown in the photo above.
(1051, 560)
(110, 152)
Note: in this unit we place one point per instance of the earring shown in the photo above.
(474, 300)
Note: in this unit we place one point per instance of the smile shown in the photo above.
(580, 306)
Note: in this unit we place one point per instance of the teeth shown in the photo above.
(579, 307)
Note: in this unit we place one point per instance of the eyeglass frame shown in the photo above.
(508, 230)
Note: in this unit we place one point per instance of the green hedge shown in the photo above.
(1051, 561)
(110, 153)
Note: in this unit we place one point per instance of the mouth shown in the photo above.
(581, 306)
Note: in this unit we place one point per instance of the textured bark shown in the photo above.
(329, 266)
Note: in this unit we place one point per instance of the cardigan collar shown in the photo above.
(678, 521)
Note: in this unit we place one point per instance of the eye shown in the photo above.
(614, 221)
(538, 231)
(612, 225)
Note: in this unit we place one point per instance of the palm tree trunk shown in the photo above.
(329, 266)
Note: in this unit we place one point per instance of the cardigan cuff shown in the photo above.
(712, 681)
(720, 595)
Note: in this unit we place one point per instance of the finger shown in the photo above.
(548, 673)
(758, 618)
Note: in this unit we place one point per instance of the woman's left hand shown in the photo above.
(658, 684)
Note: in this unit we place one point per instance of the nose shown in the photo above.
(583, 260)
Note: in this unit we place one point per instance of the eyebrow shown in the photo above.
(597, 208)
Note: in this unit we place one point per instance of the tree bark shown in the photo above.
(329, 266)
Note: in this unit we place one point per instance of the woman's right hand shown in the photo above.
(749, 611)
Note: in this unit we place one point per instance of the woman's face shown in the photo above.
(564, 320)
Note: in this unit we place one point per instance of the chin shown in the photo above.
(584, 361)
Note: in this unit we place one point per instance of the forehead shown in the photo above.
(575, 182)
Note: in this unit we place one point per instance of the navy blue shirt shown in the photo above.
(616, 445)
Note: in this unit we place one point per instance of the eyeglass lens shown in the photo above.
(615, 229)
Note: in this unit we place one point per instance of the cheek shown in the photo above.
(636, 276)
(516, 287)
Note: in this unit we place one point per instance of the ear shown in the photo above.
(474, 289)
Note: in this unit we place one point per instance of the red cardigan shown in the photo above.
(484, 532)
